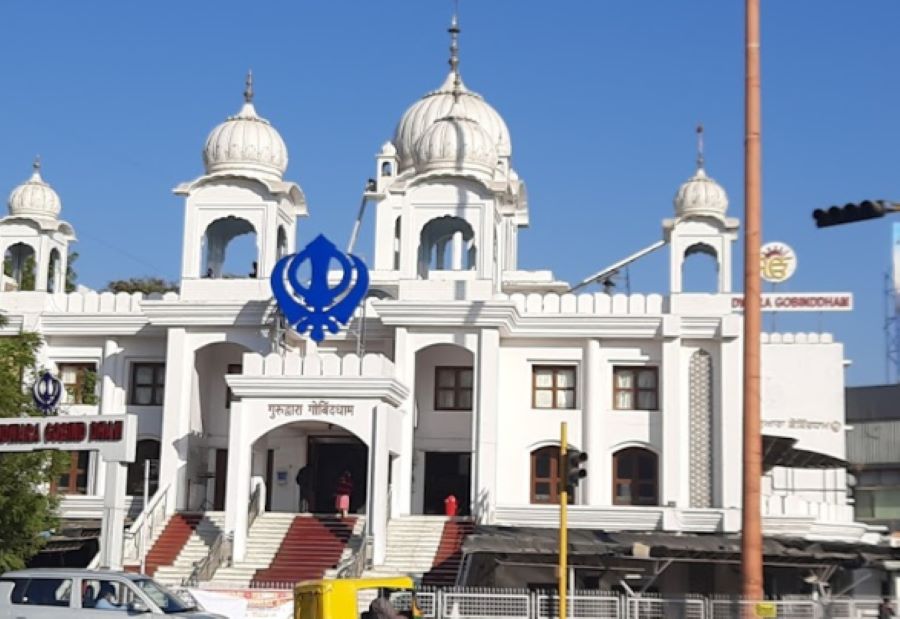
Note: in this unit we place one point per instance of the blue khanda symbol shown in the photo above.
(319, 306)
(46, 392)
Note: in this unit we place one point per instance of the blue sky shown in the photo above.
(601, 99)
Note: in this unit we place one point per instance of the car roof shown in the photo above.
(62, 572)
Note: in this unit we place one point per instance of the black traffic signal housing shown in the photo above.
(575, 470)
(849, 213)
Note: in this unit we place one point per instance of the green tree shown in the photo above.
(71, 275)
(26, 510)
(145, 284)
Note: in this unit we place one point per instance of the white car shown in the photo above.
(89, 594)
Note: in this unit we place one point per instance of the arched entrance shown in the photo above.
(303, 462)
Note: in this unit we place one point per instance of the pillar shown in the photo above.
(113, 524)
(457, 251)
(673, 468)
(484, 430)
(405, 369)
(590, 422)
(173, 449)
(237, 489)
(379, 461)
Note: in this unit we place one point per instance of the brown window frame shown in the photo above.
(552, 479)
(72, 474)
(76, 390)
(554, 389)
(635, 480)
(231, 368)
(635, 390)
(157, 384)
(457, 389)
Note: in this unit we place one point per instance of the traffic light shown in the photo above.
(867, 209)
(574, 471)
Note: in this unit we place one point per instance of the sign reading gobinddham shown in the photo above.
(112, 435)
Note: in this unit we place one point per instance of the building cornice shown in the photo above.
(388, 390)
(207, 313)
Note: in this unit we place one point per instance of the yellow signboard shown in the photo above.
(766, 609)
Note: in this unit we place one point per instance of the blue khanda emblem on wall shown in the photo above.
(46, 392)
(319, 306)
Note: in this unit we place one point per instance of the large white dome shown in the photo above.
(458, 143)
(246, 143)
(701, 195)
(34, 198)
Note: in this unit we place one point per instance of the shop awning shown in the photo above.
(781, 451)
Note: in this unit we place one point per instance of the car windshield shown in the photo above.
(167, 601)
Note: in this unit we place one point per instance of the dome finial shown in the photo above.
(454, 42)
(700, 146)
(248, 89)
(37, 163)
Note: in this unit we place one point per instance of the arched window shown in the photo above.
(231, 249)
(147, 449)
(386, 168)
(397, 223)
(700, 269)
(54, 273)
(281, 249)
(20, 266)
(635, 477)
(545, 476)
(447, 244)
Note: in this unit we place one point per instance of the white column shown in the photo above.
(405, 369)
(237, 490)
(590, 423)
(107, 373)
(484, 431)
(378, 491)
(457, 249)
(41, 264)
(673, 474)
(173, 449)
(113, 523)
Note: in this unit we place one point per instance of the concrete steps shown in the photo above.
(263, 541)
(412, 543)
(204, 531)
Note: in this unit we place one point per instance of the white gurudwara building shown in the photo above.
(452, 380)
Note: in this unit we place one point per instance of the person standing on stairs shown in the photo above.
(342, 494)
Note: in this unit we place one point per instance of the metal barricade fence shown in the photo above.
(582, 605)
(485, 604)
(783, 609)
(666, 608)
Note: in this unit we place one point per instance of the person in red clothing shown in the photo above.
(342, 493)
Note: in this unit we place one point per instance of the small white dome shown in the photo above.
(34, 198)
(246, 143)
(701, 195)
(456, 142)
(422, 114)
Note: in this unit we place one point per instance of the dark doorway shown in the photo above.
(328, 458)
(220, 480)
(447, 473)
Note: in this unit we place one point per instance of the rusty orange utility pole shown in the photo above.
(751, 541)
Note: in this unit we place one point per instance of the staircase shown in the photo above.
(412, 543)
(312, 545)
(196, 547)
(173, 538)
(263, 541)
(448, 557)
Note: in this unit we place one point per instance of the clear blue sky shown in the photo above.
(601, 98)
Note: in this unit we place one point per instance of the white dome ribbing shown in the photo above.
(436, 105)
(246, 143)
(35, 198)
(456, 143)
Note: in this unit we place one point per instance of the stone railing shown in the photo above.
(292, 364)
(102, 302)
(797, 338)
(597, 303)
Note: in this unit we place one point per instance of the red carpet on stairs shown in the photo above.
(448, 557)
(171, 541)
(312, 545)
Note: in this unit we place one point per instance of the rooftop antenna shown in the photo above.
(700, 160)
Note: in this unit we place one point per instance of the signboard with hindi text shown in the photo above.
(114, 436)
(800, 302)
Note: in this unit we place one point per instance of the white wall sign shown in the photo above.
(321, 408)
(796, 423)
(114, 436)
(777, 262)
(801, 302)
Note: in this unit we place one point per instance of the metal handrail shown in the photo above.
(138, 534)
(204, 569)
(255, 507)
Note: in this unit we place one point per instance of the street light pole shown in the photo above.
(751, 539)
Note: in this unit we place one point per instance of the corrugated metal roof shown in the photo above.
(874, 442)
(872, 403)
